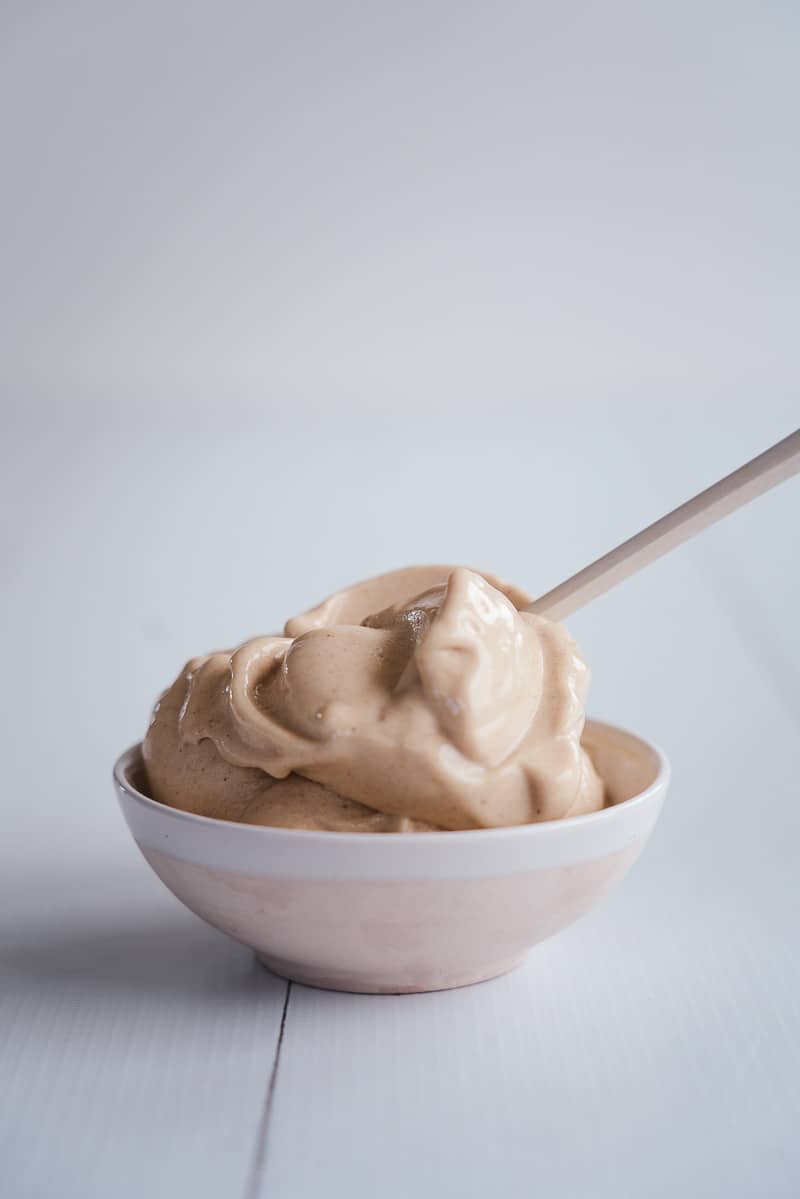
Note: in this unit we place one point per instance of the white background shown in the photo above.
(293, 294)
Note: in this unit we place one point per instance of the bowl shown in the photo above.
(402, 912)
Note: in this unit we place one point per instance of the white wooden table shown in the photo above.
(651, 1049)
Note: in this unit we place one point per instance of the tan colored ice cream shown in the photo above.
(418, 700)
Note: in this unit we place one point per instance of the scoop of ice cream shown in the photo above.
(418, 700)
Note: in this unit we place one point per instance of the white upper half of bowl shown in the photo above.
(635, 771)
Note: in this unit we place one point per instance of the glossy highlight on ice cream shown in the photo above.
(417, 701)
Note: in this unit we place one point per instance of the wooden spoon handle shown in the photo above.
(779, 462)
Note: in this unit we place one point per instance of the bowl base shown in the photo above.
(363, 984)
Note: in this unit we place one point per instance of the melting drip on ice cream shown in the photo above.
(419, 700)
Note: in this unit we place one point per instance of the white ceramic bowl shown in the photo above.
(401, 912)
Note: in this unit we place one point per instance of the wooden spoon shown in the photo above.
(775, 465)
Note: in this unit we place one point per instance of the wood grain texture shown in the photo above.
(651, 1049)
(135, 1043)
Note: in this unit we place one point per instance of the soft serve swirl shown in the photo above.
(419, 700)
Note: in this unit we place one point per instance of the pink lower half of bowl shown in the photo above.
(416, 912)
(392, 936)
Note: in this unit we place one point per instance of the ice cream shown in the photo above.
(420, 700)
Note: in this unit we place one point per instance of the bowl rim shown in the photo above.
(312, 837)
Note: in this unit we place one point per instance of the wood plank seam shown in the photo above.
(252, 1188)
